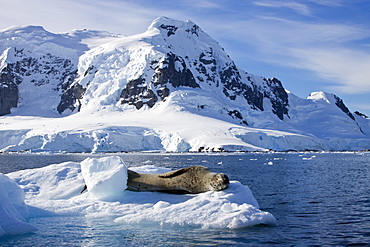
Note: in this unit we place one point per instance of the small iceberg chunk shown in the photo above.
(13, 210)
(105, 178)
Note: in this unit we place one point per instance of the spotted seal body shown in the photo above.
(193, 179)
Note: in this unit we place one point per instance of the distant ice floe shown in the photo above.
(54, 190)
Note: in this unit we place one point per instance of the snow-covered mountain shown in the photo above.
(171, 88)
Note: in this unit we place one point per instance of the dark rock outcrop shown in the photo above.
(339, 102)
(71, 97)
(8, 89)
(360, 114)
(171, 29)
(40, 71)
(139, 92)
(278, 97)
(8, 97)
(167, 72)
(234, 86)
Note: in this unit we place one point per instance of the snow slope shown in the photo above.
(171, 88)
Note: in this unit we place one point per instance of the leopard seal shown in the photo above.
(189, 180)
(192, 180)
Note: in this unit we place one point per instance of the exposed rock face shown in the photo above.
(171, 29)
(237, 115)
(48, 69)
(343, 107)
(254, 94)
(71, 97)
(172, 71)
(361, 114)
(8, 91)
(8, 97)
(278, 96)
(233, 86)
(73, 92)
(137, 93)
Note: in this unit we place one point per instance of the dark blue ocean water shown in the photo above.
(318, 199)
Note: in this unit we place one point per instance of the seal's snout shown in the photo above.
(220, 181)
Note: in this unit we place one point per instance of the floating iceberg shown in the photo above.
(106, 177)
(55, 190)
(13, 210)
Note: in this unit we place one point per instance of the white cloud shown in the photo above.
(329, 3)
(362, 106)
(295, 33)
(300, 8)
(327, 50)
(348, 70)
(204, 4)
(125, 17)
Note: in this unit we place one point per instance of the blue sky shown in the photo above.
(310, 45)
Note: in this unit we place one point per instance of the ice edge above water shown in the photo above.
(54, 190)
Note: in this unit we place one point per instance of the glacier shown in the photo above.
(171, 88)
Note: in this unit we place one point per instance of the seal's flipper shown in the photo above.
(85, 188)
(172, 174)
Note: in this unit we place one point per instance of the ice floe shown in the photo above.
(54, 190)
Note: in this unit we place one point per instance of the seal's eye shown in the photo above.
(220, 181)
(226, 179)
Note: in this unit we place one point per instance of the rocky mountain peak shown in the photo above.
(181, 55)
(169, 27)
(173, 76)
(172, 61)
(331, 99)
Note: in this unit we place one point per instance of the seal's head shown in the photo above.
(219, 181)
